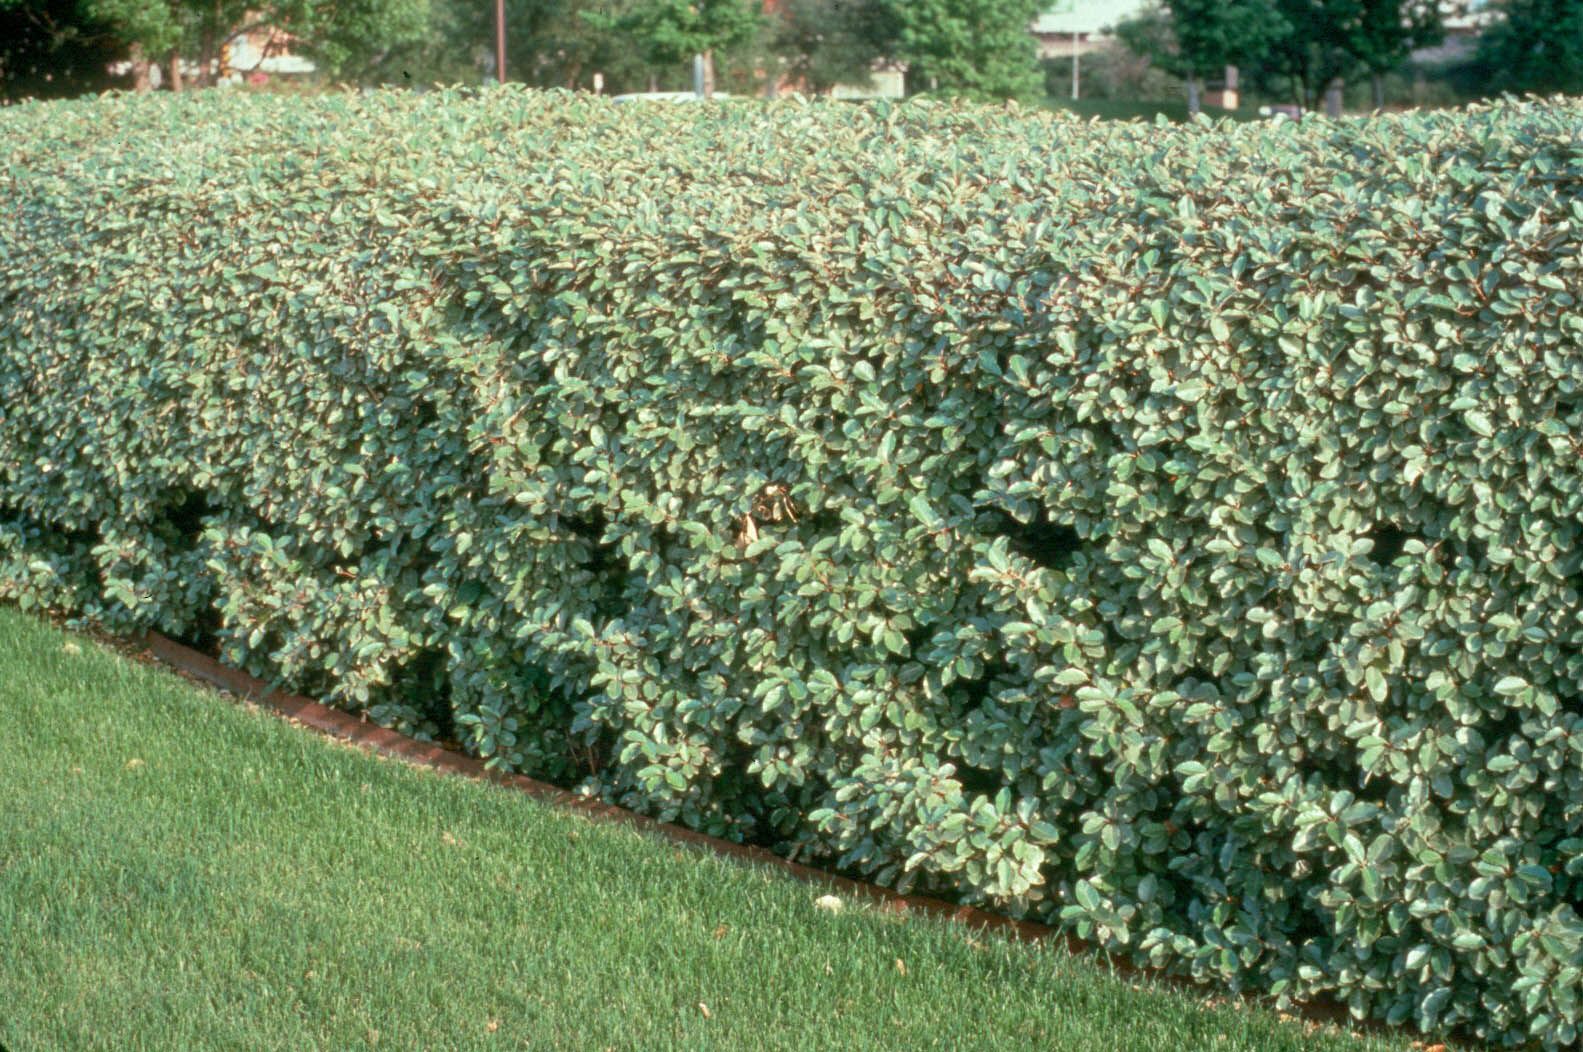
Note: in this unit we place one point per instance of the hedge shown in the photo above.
(1172, 533)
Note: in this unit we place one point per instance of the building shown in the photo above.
(1463, 22)
(1078, 26)
(889, 82)
(261, 53)
(252, 57)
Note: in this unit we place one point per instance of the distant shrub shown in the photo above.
(1169, 532)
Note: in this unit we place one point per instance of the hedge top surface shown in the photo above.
(1168, 531)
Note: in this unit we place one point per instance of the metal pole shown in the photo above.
(500, 41)
(1074, 63)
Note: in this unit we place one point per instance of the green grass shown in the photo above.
(178, 872)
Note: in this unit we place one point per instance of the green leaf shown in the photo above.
(1379, 689)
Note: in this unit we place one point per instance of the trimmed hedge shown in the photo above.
(1169, 532)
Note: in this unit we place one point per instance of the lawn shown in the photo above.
(178, 871)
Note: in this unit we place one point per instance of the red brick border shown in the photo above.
(349, 728)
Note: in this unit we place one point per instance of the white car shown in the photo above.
(1281, 113)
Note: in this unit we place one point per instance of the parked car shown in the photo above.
(1281, 112)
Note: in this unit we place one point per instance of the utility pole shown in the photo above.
(1050, 22)
(704, 74)
(1074, 63)
(500, 41)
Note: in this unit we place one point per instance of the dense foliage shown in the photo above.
(1535, 45)
(1170, 532)
(976, 48)
(1292, 48)
(54, 48)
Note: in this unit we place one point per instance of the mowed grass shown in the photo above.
(178, 871)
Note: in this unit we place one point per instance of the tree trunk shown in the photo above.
(1333, 97)
(212, 39)
(709, 74)
(1195, 94)
(175, 71)
(206, 60)
(1377, 82)
(140, 80)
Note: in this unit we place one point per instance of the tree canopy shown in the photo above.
(969, 47)
(53, 48)
(670, 32)
(63, 46)
(980, 48)
(1536, 45)
(1297, 46)
(830, 42)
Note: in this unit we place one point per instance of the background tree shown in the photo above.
(52, 48)
(671, 32)
(1332, 41)
(1312, 56)
(968, 47)
(149, 31)
(1535, 45)
(823, 43)
(547, 44)
(63, 46)
(566, 50)
(1387, 31)
(348, 38)
(1195, 38)
(453, 48)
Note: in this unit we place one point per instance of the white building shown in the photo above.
(1080, 25)
(262, 52)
